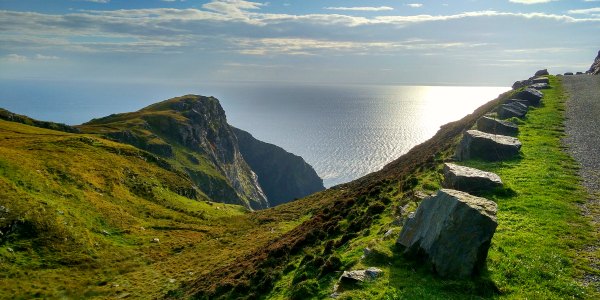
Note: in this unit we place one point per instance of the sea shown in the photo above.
(343, 131)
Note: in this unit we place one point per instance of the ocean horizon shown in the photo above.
(343, 131)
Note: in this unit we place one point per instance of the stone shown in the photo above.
(495, 126)
(452, 231)
(541, 73)
(521, 83)
(579, 73)
(533, 96)
(360, 275)
(568, 73)
(388, 234)
(469, 180)
(524, 102)
(540, 86)
(491, 147)
(540, 80)
(506, 111)
(155, 240)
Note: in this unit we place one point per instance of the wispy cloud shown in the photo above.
(361, 8)
(96, 1)
(588, 11)
(15, 58)
(415, 5)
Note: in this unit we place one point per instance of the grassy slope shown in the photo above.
(534, 253)
(79, 215)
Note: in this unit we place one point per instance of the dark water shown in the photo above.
(343, 131)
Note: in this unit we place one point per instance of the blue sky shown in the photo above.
(374, 42)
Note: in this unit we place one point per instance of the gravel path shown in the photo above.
(582, 129)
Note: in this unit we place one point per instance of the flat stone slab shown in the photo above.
(495, 126)
(532, 95)
(524, 102)
(469, 180)
(487, 146)
(452, 231)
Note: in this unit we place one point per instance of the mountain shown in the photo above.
(191, 132)
(283, 176)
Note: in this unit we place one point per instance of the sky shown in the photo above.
(345, 41)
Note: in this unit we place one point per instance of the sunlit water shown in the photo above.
(344, 132)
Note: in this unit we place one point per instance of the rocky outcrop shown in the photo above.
(283, 176)
(595, 68)
(540, 86)
(452, 231)
(478, 144)
(540, 80)
(469, 180)
(495, 126)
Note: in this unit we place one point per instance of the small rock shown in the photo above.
(105, 232)
(10, 250)
(568, 73)
(366, 253)
(155, 240)
(171, 280)
(388, 234)
(360, 275)
(579, 73)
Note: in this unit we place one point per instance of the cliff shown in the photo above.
(595, 67)
(283, 176)
(192, 133)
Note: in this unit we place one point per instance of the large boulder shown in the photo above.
(469, 180)
(452, 231)
(533, 96)
(491, 147)
(521, 83)
(541, 73)
(524, 102)
(495, 126)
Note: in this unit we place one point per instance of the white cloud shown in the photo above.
(588, 11)
(414, 5)
(15, 58)
(530, 1)
(361, 8)
(97, 1)
(46, 57)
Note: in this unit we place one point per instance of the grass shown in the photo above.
(80, 213)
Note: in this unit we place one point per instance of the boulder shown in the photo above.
(469, 180)
(521, 83)
(357, 276)
(495, 126)
(540, 86)
(506, 111)
(524, 102)
(568, 73)
(541, 73)
(452, 231)
(533, 96)
(478, 144)
(541, 80)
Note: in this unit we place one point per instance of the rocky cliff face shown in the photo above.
(192, 132)
(595, 68)
(283, 176)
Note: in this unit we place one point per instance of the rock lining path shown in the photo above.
(582, 128)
